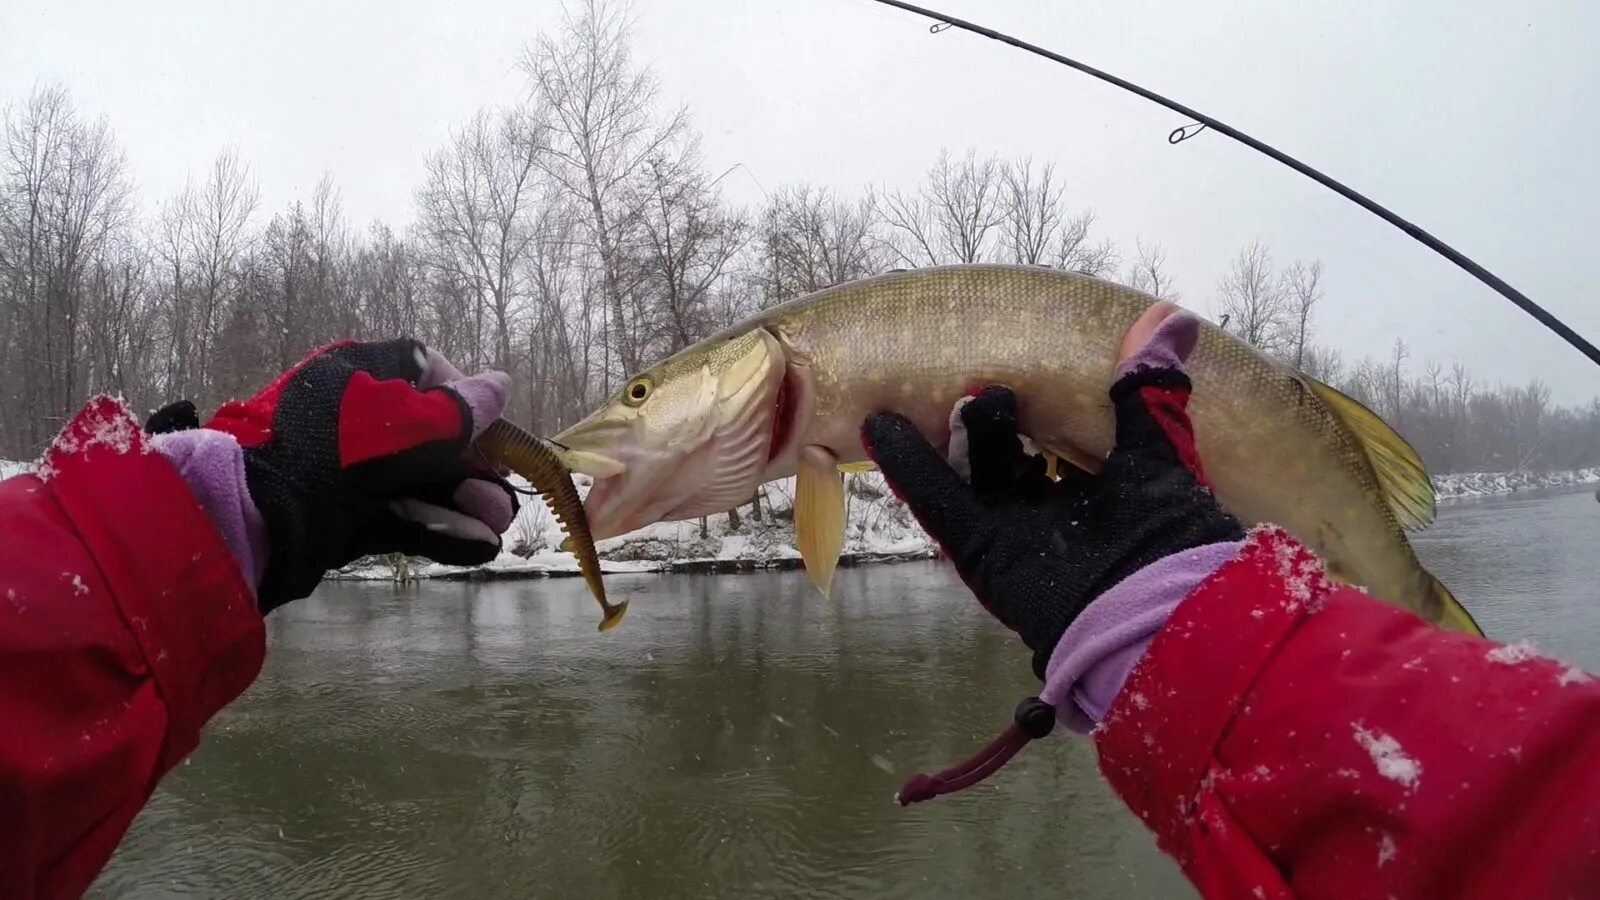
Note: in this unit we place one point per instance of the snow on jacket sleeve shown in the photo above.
(124, 626)
(1285, 736)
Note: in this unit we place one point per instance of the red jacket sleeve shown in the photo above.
(1285, 736)
(124, 626)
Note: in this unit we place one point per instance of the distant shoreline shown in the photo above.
(1467, 485)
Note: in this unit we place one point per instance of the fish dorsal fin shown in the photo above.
(1402, 478)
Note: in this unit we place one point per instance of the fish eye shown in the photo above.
(637, 391)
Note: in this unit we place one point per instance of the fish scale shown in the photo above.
(1277, 446)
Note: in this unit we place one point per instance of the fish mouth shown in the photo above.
(651, 471)
(586, 462)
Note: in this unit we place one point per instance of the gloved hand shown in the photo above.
(1037, 553)
(361, 448)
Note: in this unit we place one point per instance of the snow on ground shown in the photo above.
(878, 527)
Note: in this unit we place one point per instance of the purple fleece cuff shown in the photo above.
(1103, 644)
(212, 464)
(1168, 346)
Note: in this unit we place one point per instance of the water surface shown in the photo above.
(737, 738)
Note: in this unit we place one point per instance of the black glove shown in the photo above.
(361, 449)
(1036, 551)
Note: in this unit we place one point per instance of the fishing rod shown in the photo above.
(1202, 121)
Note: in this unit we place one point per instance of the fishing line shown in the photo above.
(1202, 122)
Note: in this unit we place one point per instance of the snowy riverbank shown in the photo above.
(1483, 484)
(879, 529)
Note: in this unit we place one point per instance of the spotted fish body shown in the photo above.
(1277, 446)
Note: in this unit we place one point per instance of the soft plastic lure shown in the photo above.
(507, 445)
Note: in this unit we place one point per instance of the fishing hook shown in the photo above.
(1461, 260)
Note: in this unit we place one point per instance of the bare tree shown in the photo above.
(387, 285)
(1033, 212)
(1433, 373)
(1251, 297)
(171, 242)
(1076, 253)
(1392, 383)
(950, 217)
(1302, 287)
(809, 239)
(1148, 272)
(471, 219)
(335, 313)
(1326, 364)
(67, 196)
(603, 128)
(119, 320)
(219, 212)
(562, 337)
(1461, 385)
(688, 240)
(286, 258)
(1037, 230)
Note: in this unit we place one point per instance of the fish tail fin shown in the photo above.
(1397, 468)
(1453, 615)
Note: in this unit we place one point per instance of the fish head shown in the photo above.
(689, 437)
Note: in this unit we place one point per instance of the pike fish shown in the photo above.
(785, 392)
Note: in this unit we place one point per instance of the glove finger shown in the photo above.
(178, 416)
(437, 370)
(941, 501)
(994, 452)
(1151, 398)
(1146, 336)
(401, 358)
(485, 396)
(490, 501)
(417, 528)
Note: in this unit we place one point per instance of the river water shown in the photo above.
(738, 737)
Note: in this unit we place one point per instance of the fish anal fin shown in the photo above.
(1402, 478)
(1452, 614)
(819, 514)
(1072, 456)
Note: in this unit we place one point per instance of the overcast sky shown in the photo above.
(1479, 121)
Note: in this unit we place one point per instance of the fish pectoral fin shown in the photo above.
(1402, 478)
(819, 514)
(858, 468)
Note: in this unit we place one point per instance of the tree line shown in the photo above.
(1456, 422)
(571, 239)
